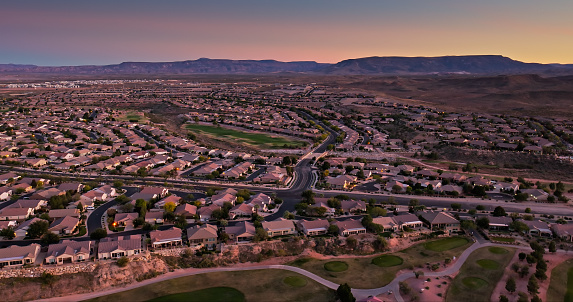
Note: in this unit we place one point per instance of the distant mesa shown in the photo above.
(477, 64)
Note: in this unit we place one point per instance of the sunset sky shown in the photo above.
(59, 32)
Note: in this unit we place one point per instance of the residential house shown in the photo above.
(21, 230)
(499, 223)
(563, 231)
(408, 220)
(17, 256)
(243, 231)
(341, 182)
(68, 251)
(313, 227)
(441, 221)
(59, 213)
(171, 198)
(154, 217)
(19, 214)
(71, 186)
(206, 212)
(202, 236)
(353, 206)
(388, 223)
(125, 219)
(538, 228)
(117, 247)
(5, 193)
(64, 226)
(186, 210)
(169, 237)
(242, 210)
(7, 177)
(279, 227)
(350, 227)
(536, 194)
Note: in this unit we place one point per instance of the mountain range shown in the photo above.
(477, 64)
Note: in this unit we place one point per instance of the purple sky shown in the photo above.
(108, 32)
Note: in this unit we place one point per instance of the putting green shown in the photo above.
(488, 264)
(295, 281)
(336, 266)
(387, 260)
(214, 294)
(474, 282)
(497, 250)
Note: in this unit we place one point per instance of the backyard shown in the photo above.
(480, 274)
(377, 271)
(261, 140)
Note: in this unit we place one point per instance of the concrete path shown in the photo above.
(358, 293)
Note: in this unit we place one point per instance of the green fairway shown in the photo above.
(559, 289)
(262, 140)
(295, 281)
(488, 263)
(379, 270)
(387, 260)
(213, 294)
(476, 280)
(498, 250)
(446, 244)
(256, 285)
(336, 266)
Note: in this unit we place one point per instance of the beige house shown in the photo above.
(279, 227)
(205, 235)
(15, 256)
(112, 248)
(68, 251)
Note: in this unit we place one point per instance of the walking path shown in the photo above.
(358, 293)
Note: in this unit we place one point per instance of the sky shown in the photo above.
(65, 32)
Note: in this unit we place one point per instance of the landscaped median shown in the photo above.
(378, 271)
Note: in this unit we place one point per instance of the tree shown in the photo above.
(522, 256)
(38, 229)
(396, 189)
(519, 226)
(503, 298)
(552, 247)
(530, 259)
(118, 184)
(260, 235)
(536, 298)
(169, 207)
(8, 233)
(50, 238)
(510, 285)
(499, 211)
(533, 285)
(456, 206)
(483, 222)
(418, 274)
(380, 243)
(333, 229)
(522, 297)
(524, 271)
(344, 293)
(377, 211)
(123, 261)
(351, 242)
(98, 234)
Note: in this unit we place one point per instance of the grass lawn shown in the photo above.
(387, 260)
(214, 294)
(477, 279)
(502, 239)
(498, 250)
(261, 140)
(488, 263)
(446, 244)
(295, 281)
(259, 285)
(132, 115)
(364, 273)
(559, 290)
(336, 266)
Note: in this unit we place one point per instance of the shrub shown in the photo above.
(122, 262)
